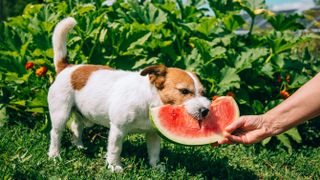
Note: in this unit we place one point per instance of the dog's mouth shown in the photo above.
(200, 114)
(198, 108)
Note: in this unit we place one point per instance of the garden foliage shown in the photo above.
(259, 68)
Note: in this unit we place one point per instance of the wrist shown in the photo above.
(272, 124)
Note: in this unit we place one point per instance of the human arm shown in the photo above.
(301, 106)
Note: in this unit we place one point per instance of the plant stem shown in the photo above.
(251, 26)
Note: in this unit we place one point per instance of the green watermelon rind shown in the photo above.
(153, 112)
(159, 132)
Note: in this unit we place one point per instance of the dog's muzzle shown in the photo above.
(198, 107)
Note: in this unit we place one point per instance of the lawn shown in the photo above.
(23, 155)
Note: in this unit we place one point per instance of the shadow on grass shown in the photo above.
(193, 159)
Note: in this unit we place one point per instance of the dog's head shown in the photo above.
(179, 87)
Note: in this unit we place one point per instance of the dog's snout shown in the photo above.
(204, 112)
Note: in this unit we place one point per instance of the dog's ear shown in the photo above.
(157, 75)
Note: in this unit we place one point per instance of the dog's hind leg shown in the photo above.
(60, 104)
(77, 127)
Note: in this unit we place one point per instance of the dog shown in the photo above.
(117, 99)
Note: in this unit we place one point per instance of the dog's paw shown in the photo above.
(160, 167)
(80, 145)
(53, 154)
(115, 168)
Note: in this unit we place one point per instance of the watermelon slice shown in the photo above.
(175, 124)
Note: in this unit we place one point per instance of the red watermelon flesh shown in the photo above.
(175, 124)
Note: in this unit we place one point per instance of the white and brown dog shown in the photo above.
(116, 99)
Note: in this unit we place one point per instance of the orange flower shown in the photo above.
(41, 71)
(29, 65)
(230, 93)
(214, 97)
(284, 94)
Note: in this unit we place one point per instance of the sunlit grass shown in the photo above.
(23, 154)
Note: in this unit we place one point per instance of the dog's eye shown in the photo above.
(185, 91)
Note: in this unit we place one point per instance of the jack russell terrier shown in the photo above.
(117, 99)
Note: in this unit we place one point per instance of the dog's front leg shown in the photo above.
(116, 136)
(153, 146)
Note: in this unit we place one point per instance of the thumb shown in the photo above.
(235, 125)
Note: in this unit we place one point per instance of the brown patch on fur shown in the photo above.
(80, 76)
(171, 82)
(157, 75)
(61, 65)
(176, 81)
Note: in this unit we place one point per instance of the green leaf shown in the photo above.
(297, 81)
(285, 141)
(282, 22)
(267, 70)
(19, 102)
(3, 117)
(49, 53)
(207, 25)
(102, 36)
(233, 22)
(193, 60)
(31, 9)
(229, 79)
(217, 53)
(266, 141)
(40, 100)
(294, 134)
(13, 77)
(85, 8)
(36, 110)
(156, 15)
(140, 41)
(272, 104)
(143, 62)
(251, 5)
(248, 57)
(279, 60)
(257, 107)
(222, 7)
(243, 96)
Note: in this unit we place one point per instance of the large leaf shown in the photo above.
(248, 57)
(294, 134)
(281, 22)
(229, 79)
(233, 22)
(285, 141)
(221, 7)
(140, 41)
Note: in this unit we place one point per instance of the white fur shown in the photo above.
(59, 38)
(116, 99)
(195, 104)
(195, 82)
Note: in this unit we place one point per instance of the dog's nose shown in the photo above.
(204, 112)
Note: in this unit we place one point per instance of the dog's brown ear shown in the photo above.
(157, 74)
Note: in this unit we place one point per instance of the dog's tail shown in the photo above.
(59, 40)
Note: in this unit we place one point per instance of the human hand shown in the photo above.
(247, 130)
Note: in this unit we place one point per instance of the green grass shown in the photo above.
(23, 154)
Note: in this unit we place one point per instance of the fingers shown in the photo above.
(221, 141)
(238, 139)
(244, 130)
(215, 144)
(224, 141)
(235, 125)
